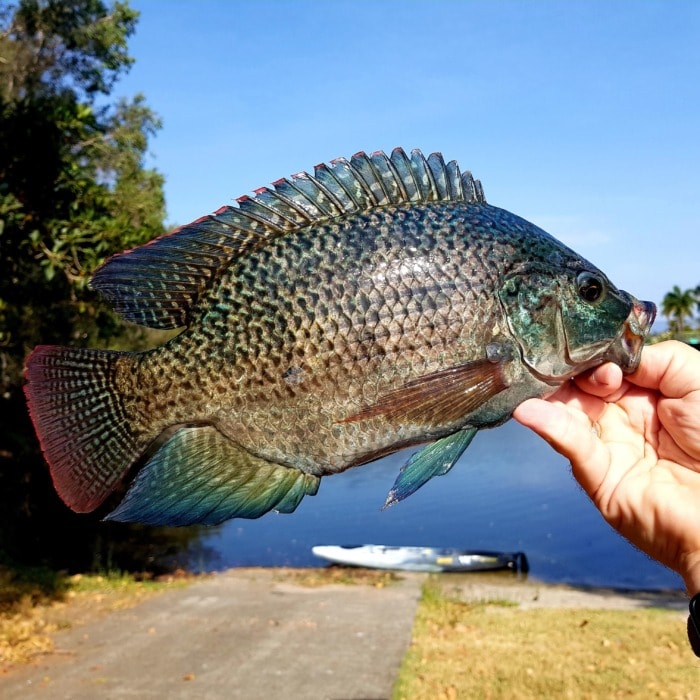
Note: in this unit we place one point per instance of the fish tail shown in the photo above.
(79, 416)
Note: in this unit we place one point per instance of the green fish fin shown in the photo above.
(442, 397)
(158, 284)
(201, 477)
(435, 459)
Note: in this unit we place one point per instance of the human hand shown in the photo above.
(634, 446)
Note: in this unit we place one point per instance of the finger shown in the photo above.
(572, 435)
(604, 381)
(671, 367)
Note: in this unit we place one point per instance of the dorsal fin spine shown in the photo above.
(306, 198)
(365, 169)
(351, 184)
(259, 207)
(254, 210)
(358, 163)
(296, 199)
(159, 283)
(389, 175)
(384, 175)
(403, 166)
(327, 176)
(436, 165)
(295, 188)
(285, 209)
(454, 179)
(217, 231)
(427, 182)
(338, 207)
(236, 219)
(288, 195)
(274, 202)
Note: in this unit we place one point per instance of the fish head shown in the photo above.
(568, 318)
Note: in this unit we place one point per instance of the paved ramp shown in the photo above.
(239, 634)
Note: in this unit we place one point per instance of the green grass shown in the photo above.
(494, 650)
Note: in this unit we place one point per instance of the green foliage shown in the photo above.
(74, 189)
(73, 186)
(52, 46)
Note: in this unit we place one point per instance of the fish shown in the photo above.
(326, 321)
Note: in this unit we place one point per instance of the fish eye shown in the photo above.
(591, 288)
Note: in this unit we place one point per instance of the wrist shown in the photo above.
(694, 624)
(692, 578)
(692, 583)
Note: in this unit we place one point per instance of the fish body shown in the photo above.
(378, 304)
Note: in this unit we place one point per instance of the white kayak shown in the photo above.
(379, 556)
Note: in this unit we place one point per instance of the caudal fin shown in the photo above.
(80, 420)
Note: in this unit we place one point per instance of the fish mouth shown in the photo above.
(627, 350)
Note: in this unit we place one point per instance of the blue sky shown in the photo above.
(583, 117)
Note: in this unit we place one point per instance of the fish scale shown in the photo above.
(329, 320)
(262, 325)
(397, 351)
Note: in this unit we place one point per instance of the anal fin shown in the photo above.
(435, 459)
(201, 477)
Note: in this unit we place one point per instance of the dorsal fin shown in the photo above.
(157, 284)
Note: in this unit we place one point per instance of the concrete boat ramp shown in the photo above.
(256, 633)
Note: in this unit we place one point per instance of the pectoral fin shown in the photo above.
(201, 477)
(442, 397)
(435, 459)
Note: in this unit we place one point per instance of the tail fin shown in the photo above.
(80, 420)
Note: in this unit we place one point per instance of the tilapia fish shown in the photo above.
(326, 321)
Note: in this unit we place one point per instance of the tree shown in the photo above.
(73, 190)
(54, 46)
(73, 185)
(678, 305)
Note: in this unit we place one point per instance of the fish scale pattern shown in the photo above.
(285, 335)
(158, 285)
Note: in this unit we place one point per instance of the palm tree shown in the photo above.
(678, 305)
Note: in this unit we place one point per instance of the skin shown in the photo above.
(634, 446)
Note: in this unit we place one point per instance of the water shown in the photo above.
(509, 492)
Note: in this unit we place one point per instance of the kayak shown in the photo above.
(379, 556)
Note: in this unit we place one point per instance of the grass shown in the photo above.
(343, 575)
(493, 649)
(35, 602)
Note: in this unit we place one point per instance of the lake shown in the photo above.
(510, 491)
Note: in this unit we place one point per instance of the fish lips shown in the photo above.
(626, 351)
